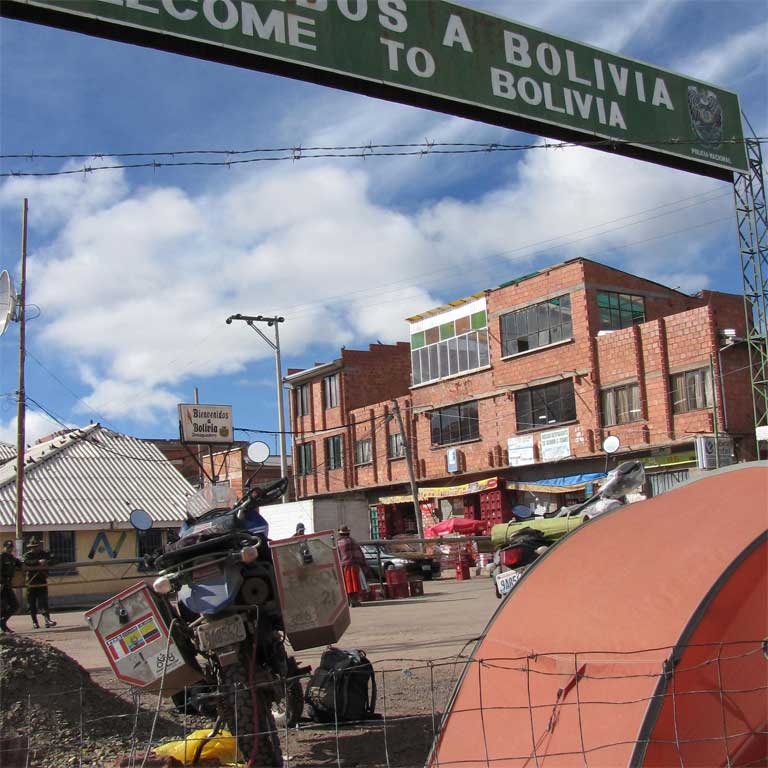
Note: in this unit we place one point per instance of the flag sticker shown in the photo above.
(131, 639)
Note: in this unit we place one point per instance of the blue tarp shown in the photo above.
(589, 477)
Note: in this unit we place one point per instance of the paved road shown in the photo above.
(438, 625)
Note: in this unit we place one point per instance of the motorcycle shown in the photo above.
(229, 619)
(511, 560)
(527, 544)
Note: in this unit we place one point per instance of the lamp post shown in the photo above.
(272, 322)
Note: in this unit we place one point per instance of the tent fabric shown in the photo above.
(455, 525)
(635, 640)
(445, 492)
(566, 484)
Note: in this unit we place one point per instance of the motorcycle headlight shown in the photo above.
(249, 554)
(162, 585)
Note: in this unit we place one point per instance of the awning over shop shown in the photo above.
(566, 484)
(445, 492)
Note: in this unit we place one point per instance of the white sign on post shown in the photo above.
(520, 450)
(705, 452)
(555, 444)
(205, 423)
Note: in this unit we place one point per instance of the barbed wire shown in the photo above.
(236, 157)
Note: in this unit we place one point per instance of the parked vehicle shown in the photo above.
(620, 481)
(401, 554)
(511, 560)
(520, 544)
(229, 617)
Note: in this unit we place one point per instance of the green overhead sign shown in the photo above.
(442, 56)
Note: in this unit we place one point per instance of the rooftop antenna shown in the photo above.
(7, 301)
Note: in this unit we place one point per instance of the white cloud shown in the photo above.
(36, 425)
(54, 199)
(730, 57)
(136, 400)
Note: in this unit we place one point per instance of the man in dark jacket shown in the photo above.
(37, 561)
(9, 564)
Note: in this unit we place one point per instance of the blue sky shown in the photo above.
(135, 271)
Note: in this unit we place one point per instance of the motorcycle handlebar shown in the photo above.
(261, 496)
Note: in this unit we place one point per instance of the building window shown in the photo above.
(455, 424)
(395, 446)
(331, 391)
(61, 545)
(691, 390)
(619, 310)
(334, 452)
(621, 404)
(363, 453)
(148, 542)
(537, 326)
(305, 456)
(553, 403)
(302, 399)
(456, 346)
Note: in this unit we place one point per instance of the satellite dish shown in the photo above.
(258, 452)
(7, 300)
(611, 444)
(141, 520)
(521, 511)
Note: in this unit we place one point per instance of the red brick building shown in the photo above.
(230, 465)
(332, 416)
(515, 390)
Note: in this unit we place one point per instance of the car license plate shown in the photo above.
(217, 634)
(426, 567)
(505, 581)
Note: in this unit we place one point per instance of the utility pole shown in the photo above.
(21, 402)
(409, 465)
(272, 322)
(714, 408)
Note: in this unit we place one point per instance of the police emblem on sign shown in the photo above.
(706, 114)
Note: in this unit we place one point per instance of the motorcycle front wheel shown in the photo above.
(247, 710)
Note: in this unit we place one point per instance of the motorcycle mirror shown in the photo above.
(141, 520)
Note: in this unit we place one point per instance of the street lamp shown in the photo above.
(272, 322)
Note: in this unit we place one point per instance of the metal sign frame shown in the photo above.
(441, 56)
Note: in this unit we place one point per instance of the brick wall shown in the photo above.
(679, 334)
(372, 376)
(380, 373)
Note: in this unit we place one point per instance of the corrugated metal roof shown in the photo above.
(446, 307)
(7, 451)
(93, 477)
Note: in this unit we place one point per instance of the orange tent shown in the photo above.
(639, 639)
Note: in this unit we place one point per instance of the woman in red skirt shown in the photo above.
(353, 566)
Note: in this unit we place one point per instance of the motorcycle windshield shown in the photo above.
(210, 497)
(213, 590)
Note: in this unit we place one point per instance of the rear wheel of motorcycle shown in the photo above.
(256, 732)
(288, 711)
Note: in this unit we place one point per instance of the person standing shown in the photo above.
(9, 564)
(353, 566)
(37, 561)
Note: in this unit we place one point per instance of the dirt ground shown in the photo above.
(57, 694)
